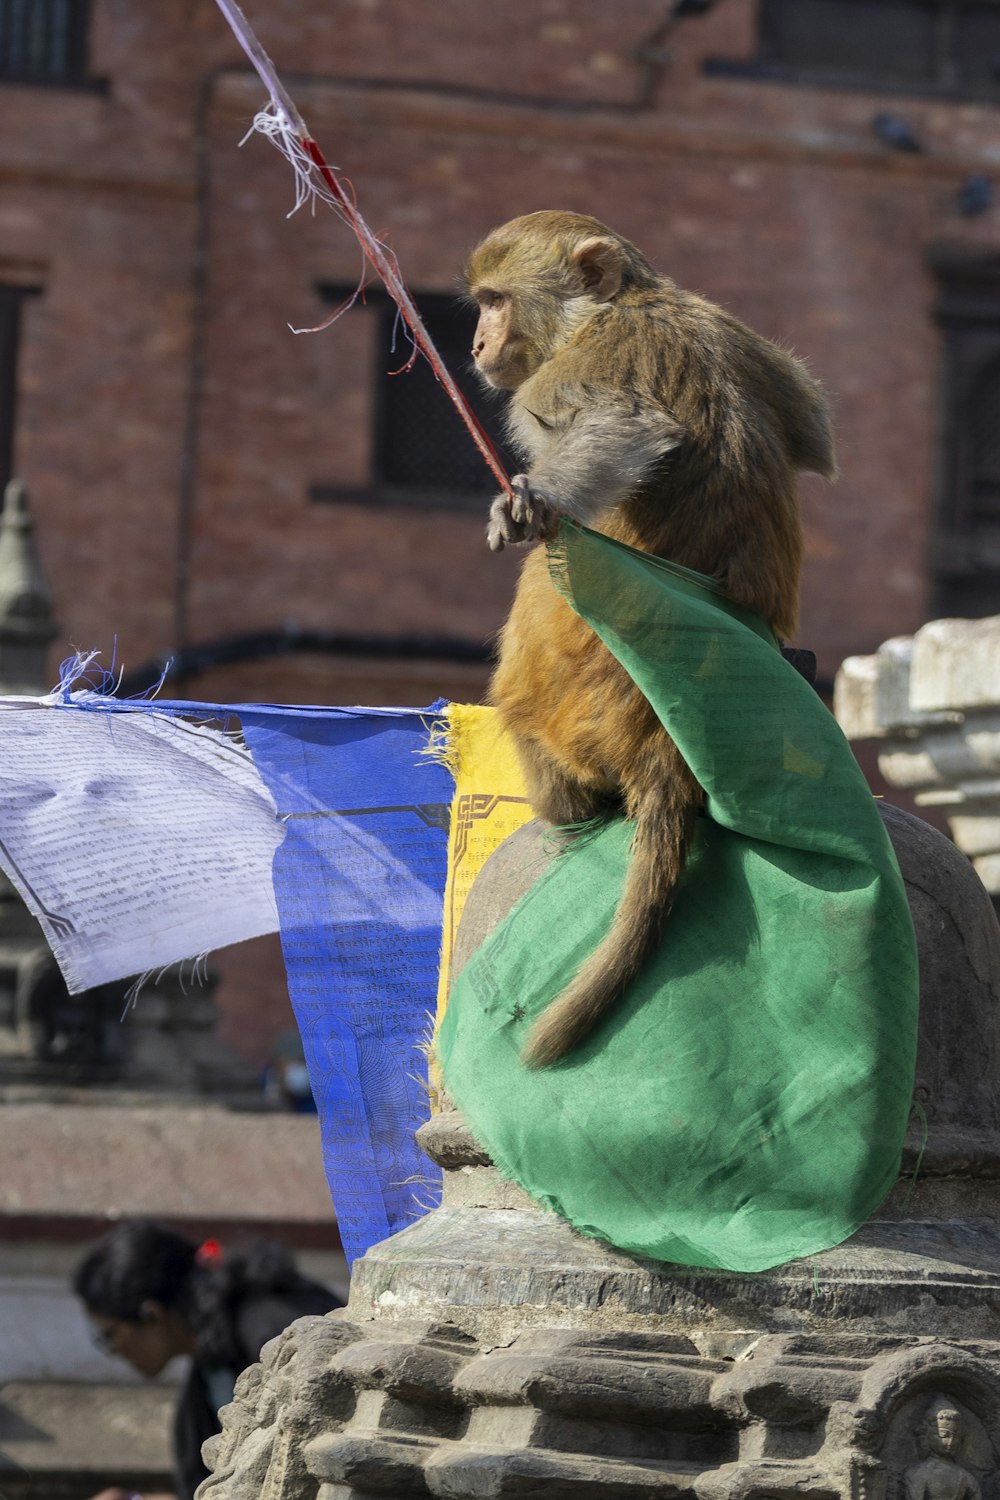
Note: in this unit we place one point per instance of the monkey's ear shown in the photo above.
(600, 266)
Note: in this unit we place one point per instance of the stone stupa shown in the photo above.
(489, 1350)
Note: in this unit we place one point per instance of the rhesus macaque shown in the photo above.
(655, 417)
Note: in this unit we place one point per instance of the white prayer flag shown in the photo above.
(136, 839)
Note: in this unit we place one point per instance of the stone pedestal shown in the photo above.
(489, 1350)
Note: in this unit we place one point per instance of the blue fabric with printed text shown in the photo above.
(359, 882)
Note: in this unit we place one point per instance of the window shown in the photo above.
(421, 453)
(11, 298)
(43, 41)
(967, 547)
(944, 47)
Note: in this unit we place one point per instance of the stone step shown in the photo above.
(462, 1472)
(607, 1389)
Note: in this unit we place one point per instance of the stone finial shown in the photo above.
(27, 619)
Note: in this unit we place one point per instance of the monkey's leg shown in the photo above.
(556, 794)
(663, 798)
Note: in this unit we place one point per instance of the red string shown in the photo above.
(383, 262)
(397, 291)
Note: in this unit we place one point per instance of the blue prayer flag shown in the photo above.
(359, 882)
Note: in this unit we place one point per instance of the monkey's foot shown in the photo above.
(521, 517)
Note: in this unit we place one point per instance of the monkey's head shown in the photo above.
(535, 280)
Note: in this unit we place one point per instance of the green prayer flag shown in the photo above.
(745, 1101)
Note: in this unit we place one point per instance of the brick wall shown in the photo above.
(170, 425)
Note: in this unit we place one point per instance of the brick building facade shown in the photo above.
(205, 481)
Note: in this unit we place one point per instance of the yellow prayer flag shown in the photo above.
(489, 804)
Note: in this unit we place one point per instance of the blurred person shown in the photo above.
(152, 1294)
(286, 1078)
(117, 1493)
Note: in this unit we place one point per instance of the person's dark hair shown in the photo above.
(135, 1263)
(138, 1262)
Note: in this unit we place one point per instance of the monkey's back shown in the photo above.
(723, 501)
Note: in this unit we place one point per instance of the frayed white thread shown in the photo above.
(441, 748)
(196, 976)
(84, 684)
(232, 730)
(426, 1204)
(428, 1197)
(76, 677)
(272, 123)
(425, 1047)
(135, 989)
(282, 124)
(399, 322)
(338, 312)
(275, 126)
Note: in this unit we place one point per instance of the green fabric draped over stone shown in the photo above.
(745, 1102)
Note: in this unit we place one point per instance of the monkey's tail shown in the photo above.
(665, 822)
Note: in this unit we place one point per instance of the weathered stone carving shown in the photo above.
(489, 1350)
(415, 1408)
(277, 1407)
(932, 700)
(941, 1476)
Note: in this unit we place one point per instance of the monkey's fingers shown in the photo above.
(520, 501)
(521, 516)
(534, 510)
(494, 538)
(502, 528)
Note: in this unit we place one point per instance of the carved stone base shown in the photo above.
(342, 1410)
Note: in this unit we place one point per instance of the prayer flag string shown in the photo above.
(284, 126)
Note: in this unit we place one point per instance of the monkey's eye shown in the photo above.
(492, 300)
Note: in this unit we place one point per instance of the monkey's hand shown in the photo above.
(528, 513)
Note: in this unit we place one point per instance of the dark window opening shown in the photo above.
(43, 41)
(966, 549)
(421, 452)
(11, 298)
(984, 447)
(949, 48)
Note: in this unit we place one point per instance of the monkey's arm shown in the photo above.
(584, 463)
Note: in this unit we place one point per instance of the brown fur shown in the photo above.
(656, 417)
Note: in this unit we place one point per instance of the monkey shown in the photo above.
(656, 417)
